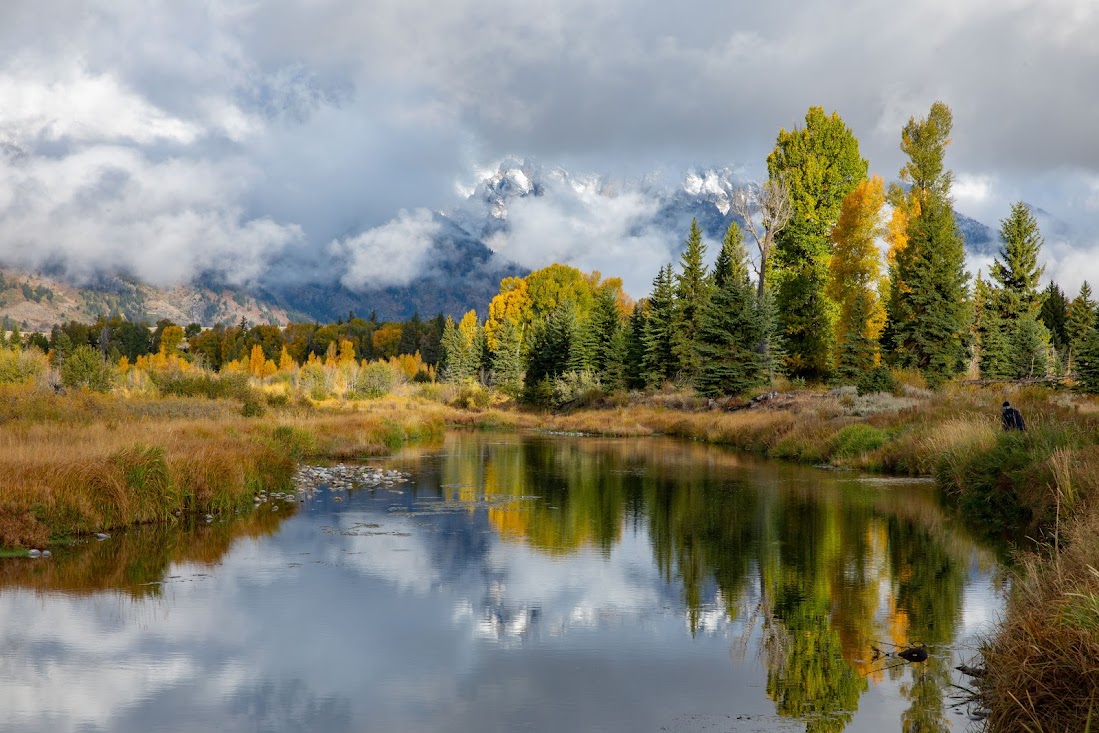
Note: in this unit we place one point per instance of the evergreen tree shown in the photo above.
(692, 293)
(1079, 323)
(634, 367)
(660, 363)
(732, 328)
(927, 311)
(820, 165)
(550, 351)
(995, 358)
(1053, 313)
(1029, 348)
(607, 326)
(462, 346)
(1087, 365)
(507, 359)
(1016, 268)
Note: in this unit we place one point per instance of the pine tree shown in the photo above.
(1053, 313)
(462, 346)
(606, 326)
(1029, 348)
(1079, 323)
(820, 165)
(550, 351)
(928, 310)
(1087, 366)
(1016, 268)
(732, 328)
(507, 359)
(995, 359)
(660, 363)
(634, 367)
(692, 293)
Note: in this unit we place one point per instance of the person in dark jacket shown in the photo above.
(1012, 418)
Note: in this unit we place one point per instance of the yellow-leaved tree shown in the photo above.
(855, 277)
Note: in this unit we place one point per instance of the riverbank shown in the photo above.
(85, 463)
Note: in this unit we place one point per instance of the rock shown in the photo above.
(46, 553)
(102, 536)
(34, 553)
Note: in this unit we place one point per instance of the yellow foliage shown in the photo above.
(286, 362)
(124, 365)
(270, 368)
(386, 340)
(856, 263)
(511, 303)
(170, 339)
(330, 354)
(256, 361)
(346, 353)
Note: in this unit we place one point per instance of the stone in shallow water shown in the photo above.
(102, 536)
(46, 553)
(34, 553)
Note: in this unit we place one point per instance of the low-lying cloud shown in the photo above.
(394, 253)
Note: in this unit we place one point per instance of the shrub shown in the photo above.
(222, 386)
(375, 380)
(856, 440)
(18, 366)
(86, 368)
(576, 389)
(878, 379)
(252, 405)
(472, 396)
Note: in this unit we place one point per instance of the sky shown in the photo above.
(168, 138)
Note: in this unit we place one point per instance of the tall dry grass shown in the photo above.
(76, 464)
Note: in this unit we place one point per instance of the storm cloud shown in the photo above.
(169, 139)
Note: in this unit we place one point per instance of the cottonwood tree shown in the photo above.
(772, 201)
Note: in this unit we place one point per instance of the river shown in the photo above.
(514, 583)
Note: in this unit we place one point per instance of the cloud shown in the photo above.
(591, 229)
(111, 208)
(327, 117)
(391, 254)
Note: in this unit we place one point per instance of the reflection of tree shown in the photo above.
(929, 586)
(839, 564)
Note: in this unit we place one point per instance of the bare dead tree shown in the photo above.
(772, 201)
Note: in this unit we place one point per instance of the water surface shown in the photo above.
(515, 583)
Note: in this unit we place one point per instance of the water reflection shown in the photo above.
(537, 583)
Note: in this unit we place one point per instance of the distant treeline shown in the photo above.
(116, 338)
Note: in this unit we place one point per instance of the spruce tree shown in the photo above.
(1029, 348)
(928, 310)
(995, 357)
(634, 367)
(1087, 364)
(1053, 313)
(1016, 267)
(550, 353)
(692, 293)
(660, 363)
(820, 165)
(732, 328)
(507, 359)
(1079, 323)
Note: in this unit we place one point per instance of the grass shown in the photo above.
(78, 464)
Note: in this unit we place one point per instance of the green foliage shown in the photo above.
(995, 358)
(576, 389)
(18, 366)
(876, 379)
(857, 440)
(1079, 322)
(819, 164)
(203, 384)
(375, 380)
(1016, 268)
(659, 363)
(252, 404)
(928, 311)
(462, 347)
(732, 336)
(507, 359)
(692, 295)
(1029, 348)
(86, 368)
(1054, 313)
(1087, 365)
